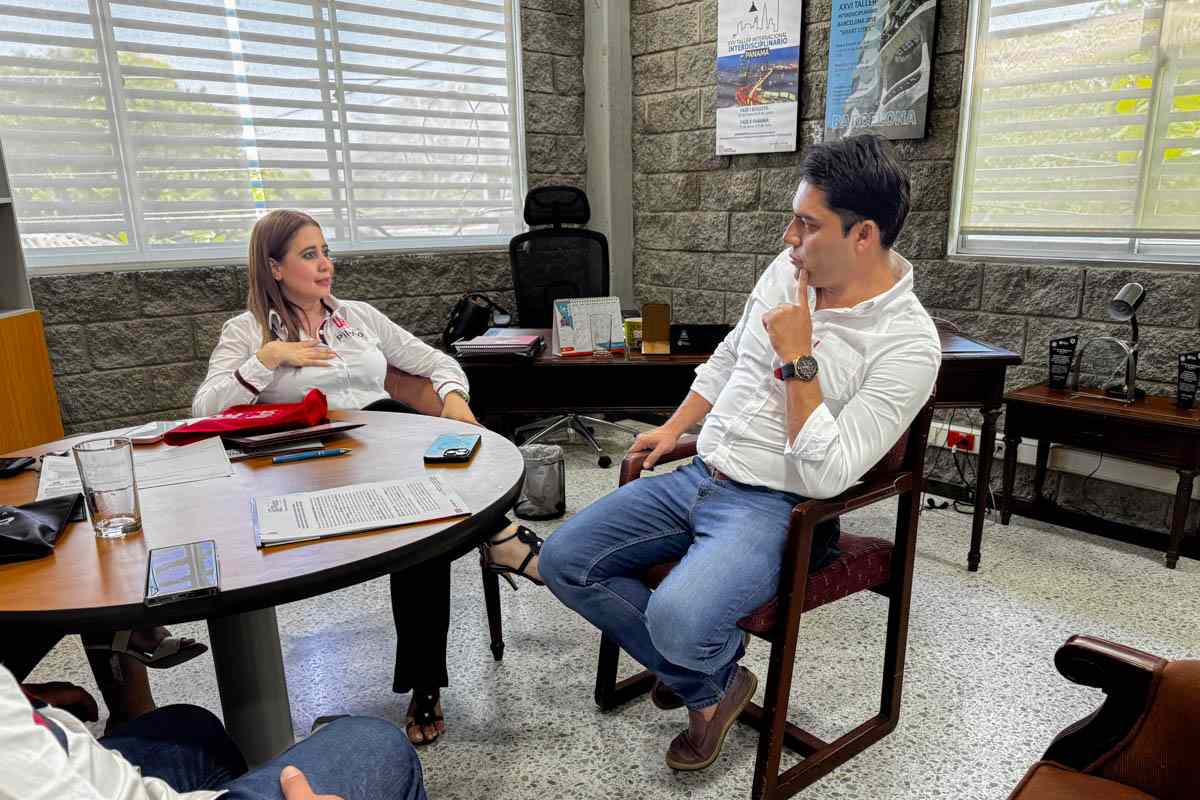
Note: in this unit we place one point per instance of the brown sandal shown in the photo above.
(423, 713)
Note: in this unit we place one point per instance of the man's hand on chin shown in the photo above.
(789, 325)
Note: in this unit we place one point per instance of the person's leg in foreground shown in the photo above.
(352, 758)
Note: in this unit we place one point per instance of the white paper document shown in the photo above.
(59, 476)
(284, 518)
(197, 461)
(159, 467)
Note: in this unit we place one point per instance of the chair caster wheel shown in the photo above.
(604, 461)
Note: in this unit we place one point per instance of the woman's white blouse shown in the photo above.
(365, 342)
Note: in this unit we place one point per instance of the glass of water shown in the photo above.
(106, 471)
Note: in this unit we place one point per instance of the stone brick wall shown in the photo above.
(145, 360)
(552, 42)
(706, 225)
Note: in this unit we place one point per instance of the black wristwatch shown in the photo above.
(804, 368)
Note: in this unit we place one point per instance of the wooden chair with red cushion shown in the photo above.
(419, 394)
(880, 565)
(1139, 745)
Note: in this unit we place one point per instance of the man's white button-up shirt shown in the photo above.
(878, 362)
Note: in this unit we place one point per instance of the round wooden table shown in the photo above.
(98, 584)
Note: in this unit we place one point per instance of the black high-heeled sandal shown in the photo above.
(422, 713)
(526, 536)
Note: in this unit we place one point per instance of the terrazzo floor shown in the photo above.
(981, 696)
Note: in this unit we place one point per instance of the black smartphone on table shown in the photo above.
(452, 448)
(182, 572)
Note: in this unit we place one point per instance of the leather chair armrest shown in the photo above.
(632, 464)
(1091, 661)
(414, 391)
(1129, 679)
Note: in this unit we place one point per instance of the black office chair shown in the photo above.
(557, 263)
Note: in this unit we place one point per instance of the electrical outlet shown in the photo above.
(960, 440)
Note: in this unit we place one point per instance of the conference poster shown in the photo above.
(880, 54)
(758, 75)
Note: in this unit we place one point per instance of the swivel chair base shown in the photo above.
(578, 423)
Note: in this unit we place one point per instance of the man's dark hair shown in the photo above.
(862, 178)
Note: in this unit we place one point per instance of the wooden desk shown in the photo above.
(548, 384)
(972, 376)
(1152, 430)
(94, 584)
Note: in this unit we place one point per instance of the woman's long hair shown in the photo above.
(269, 240)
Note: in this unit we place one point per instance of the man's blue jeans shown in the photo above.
(356, 758)
(729, 538)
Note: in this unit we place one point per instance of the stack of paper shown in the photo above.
(159, 467)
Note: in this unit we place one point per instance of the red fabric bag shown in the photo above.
(257, 418)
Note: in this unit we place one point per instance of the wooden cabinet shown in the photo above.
(28, 400)
(14, 285)
(1152, 430)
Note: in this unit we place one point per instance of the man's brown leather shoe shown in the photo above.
(664, 698)
(700, 744)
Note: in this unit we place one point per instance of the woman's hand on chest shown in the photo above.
(309, 353)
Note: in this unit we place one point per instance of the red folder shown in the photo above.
(252, 419)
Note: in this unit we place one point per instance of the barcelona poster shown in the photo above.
(758, 75)
(880, 53)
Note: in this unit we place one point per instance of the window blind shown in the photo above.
(1082, 130)
(160, 130)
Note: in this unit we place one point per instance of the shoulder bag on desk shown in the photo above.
(471, 316)
(30, 531)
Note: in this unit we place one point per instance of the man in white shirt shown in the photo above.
(182, 752)
(831, 361)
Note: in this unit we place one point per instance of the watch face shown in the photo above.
(806, 368)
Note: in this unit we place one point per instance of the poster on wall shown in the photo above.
(880, 56)
(758, 75)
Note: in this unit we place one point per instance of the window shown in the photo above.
(1081, 131)
(147, 131)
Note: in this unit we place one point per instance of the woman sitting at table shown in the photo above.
(295, 336)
